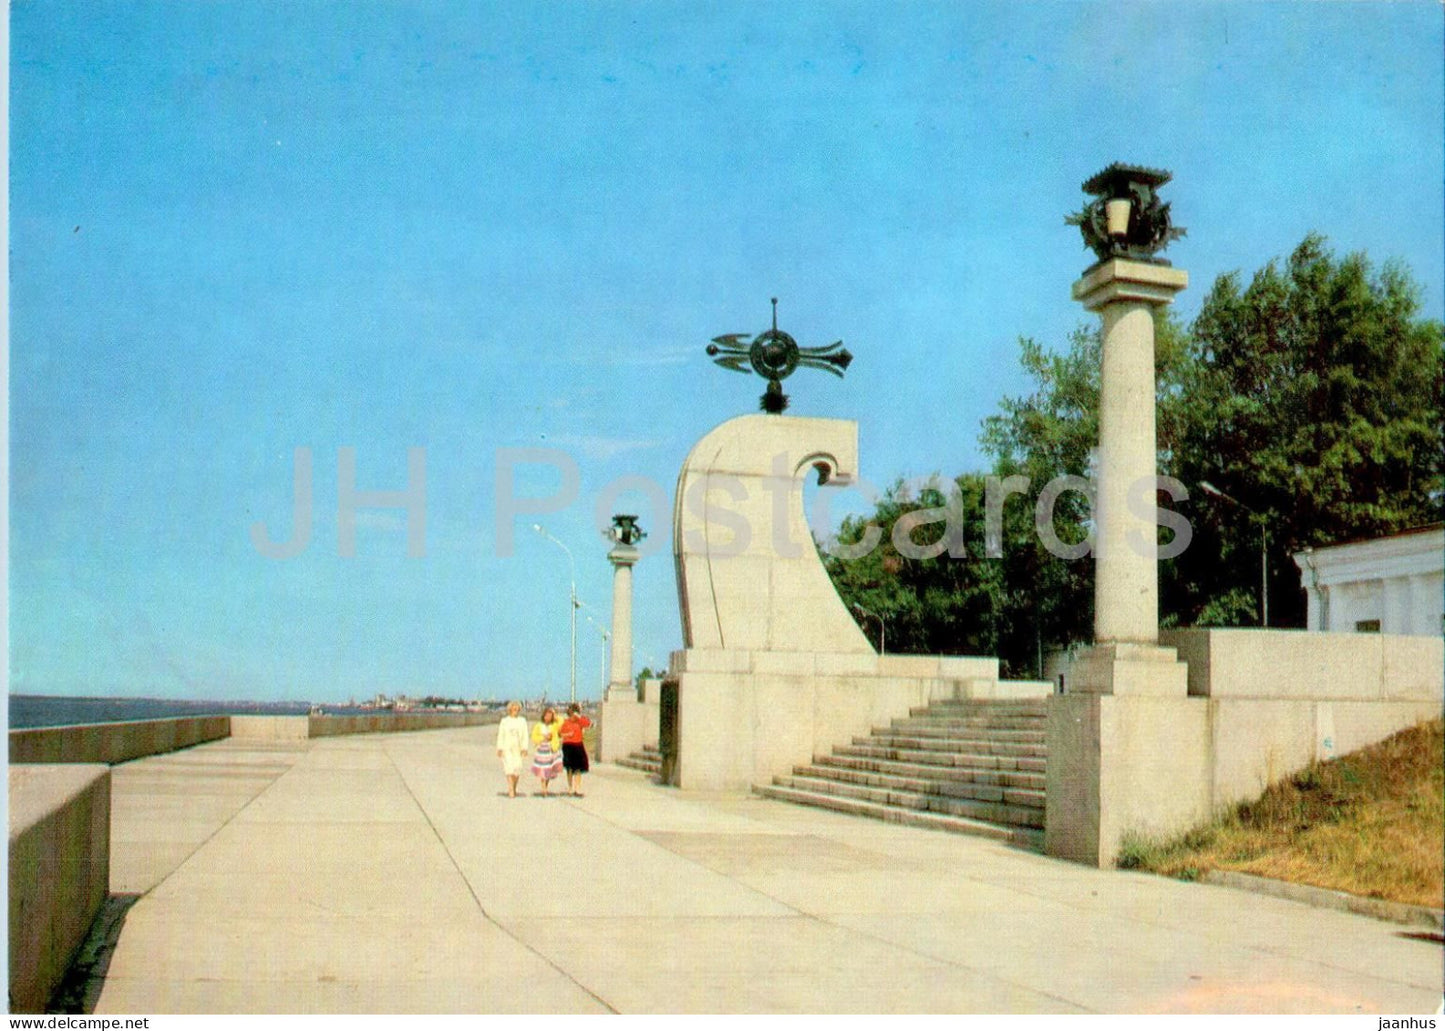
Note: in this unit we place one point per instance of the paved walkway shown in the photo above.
(389, 873)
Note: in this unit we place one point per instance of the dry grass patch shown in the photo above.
(1370, 823)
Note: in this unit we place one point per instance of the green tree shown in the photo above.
(938, 604)
(1312, 398)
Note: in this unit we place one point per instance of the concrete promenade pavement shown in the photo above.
(389, 873)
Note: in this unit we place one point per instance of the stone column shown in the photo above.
(619, 680)
(1126, 658)
(1129, 749)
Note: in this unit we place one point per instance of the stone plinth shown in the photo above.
(1123, 765)
(1128, 669)
(746, 716)
(630, 721)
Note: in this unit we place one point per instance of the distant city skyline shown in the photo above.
(244, 231)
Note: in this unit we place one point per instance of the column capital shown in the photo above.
(1119, 279)
(623, 555)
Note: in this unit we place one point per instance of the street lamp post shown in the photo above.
(606, 633)
(882, 628)
(573, 606)
(1214, 491)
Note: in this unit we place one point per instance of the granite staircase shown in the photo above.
(648, 759)
(969, 766)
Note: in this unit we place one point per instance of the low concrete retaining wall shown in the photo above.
(396, 722)
(60, 819)
(300, 728)
(1281, 699)
(59, 872)
(270, 728)
(744, 717)
(114, 742)
(1306, 664)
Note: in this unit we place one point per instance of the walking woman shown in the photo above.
(574, 752)
(512, 745)
(547, 748)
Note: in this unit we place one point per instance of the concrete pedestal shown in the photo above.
(1121, 765)
(622, 727)
(629, 721)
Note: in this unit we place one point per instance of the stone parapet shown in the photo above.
(59, 872)
(270, 728)
(114, 742)
(396, 722)
(1302, 664)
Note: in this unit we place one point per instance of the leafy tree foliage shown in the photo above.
(1311, 398)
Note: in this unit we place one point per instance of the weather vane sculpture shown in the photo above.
(774, 355)
(1126, 219)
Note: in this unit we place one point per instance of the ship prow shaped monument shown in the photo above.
(774, 669)
(748, 576)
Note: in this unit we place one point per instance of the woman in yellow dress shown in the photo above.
(547, 748)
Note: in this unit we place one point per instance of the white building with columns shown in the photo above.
(1389, 585)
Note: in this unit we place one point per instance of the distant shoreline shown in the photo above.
(28, 711)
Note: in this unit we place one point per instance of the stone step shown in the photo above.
(991, 812)
(990, 724)
(938, 757)
(935, 771)
(981, 711)
(977, 745)
(1006, 705)
(926, 785)
(919, 728)
(1028, 837)
(962, 764)
(648, 760)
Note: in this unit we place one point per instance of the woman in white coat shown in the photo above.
(512, 745)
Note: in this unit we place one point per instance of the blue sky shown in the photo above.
(239, 229)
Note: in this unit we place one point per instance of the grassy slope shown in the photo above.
(1370, 823)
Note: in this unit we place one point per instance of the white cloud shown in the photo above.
(598, 448)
